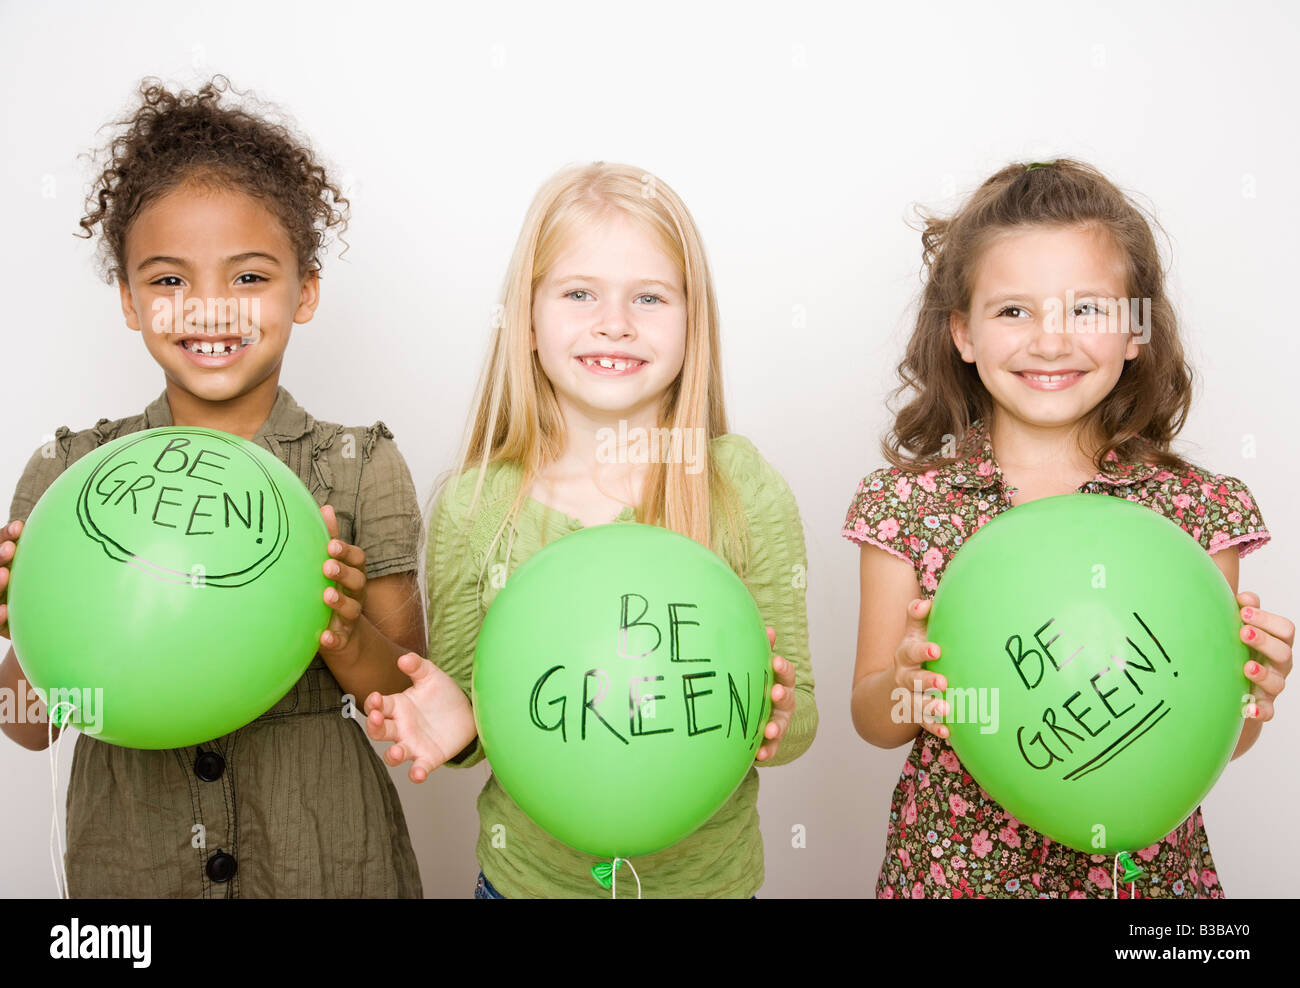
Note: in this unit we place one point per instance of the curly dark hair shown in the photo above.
(178, 137)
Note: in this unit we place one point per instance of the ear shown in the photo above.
(128, 305)
(308, 297)
(959, 328)
(1133, 348)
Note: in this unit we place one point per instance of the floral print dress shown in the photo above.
(947, 837)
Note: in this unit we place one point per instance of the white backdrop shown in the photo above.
(798, 139)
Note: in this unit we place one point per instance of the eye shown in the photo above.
(656, 298)
(1010, 308)
(1096, 310)
(577, 291)
(167, 281)
(256, 278)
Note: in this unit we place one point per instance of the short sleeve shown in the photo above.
(776, 574)
(877, 514)
(43, 468)
(387, 525)
(1219, 512)
(453, 570)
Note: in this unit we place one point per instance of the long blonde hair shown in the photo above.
(516, 417)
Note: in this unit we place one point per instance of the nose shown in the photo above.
(613, 322)
(1049, 340)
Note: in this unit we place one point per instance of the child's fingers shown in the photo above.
(395, 755)
(920, 680)
(932, 713)
(376, 724)
(771, 637)
(1260, 708)
(417, 667)
(1276, 625)
(420, 770)
(1248, 599)
(1276, 651)
(352, 580)
(352, 555)
(347, 608)
(1267, 680)
(785, 673)
(331, 522)
(918, 616)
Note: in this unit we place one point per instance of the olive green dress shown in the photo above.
(295, 804)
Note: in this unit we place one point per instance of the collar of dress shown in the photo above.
(979, 469)
(287, 421)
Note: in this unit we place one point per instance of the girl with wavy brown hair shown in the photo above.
(1045, 361)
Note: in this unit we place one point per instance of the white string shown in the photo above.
(56, 836)
(1114, 875)
(614, 876)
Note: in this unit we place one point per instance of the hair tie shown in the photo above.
(1038, 164)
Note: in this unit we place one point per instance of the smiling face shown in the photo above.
(213, 286)
(609, 323)
(1031, 286)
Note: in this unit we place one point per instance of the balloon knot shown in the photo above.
(603, 872)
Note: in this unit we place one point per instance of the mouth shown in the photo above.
(215, 351)
(1050, 381)
(611, 364)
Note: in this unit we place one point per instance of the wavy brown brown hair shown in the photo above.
(1150, 401)
(204, 137)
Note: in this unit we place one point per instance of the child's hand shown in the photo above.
(909, 674)
(1271, 638)
(428, 722)
(782, 704)
(8, 546)
(347, 568)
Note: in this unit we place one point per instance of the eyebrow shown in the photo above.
(593, 278)
(1004, 296)
(180, 262)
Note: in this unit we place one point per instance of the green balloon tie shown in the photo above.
(605, 874)
(1131, 869)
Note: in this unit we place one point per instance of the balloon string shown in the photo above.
(1114, 875)
(614, 877)
(56, 836)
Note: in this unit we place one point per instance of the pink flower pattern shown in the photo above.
(983, 851)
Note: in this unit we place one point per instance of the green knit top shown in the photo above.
(724, 857)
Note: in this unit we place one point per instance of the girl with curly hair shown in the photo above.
(212, 219)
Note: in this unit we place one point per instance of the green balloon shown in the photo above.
(622, 683)
(1094, 666)
(170, 586)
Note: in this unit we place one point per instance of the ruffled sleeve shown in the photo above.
(877, 516)
(388, 525)
(1217, 510)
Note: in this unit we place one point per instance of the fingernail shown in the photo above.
(1252, 711)
(1250, 634)
(1247, 613)
(932, 651)
(1252, 668)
